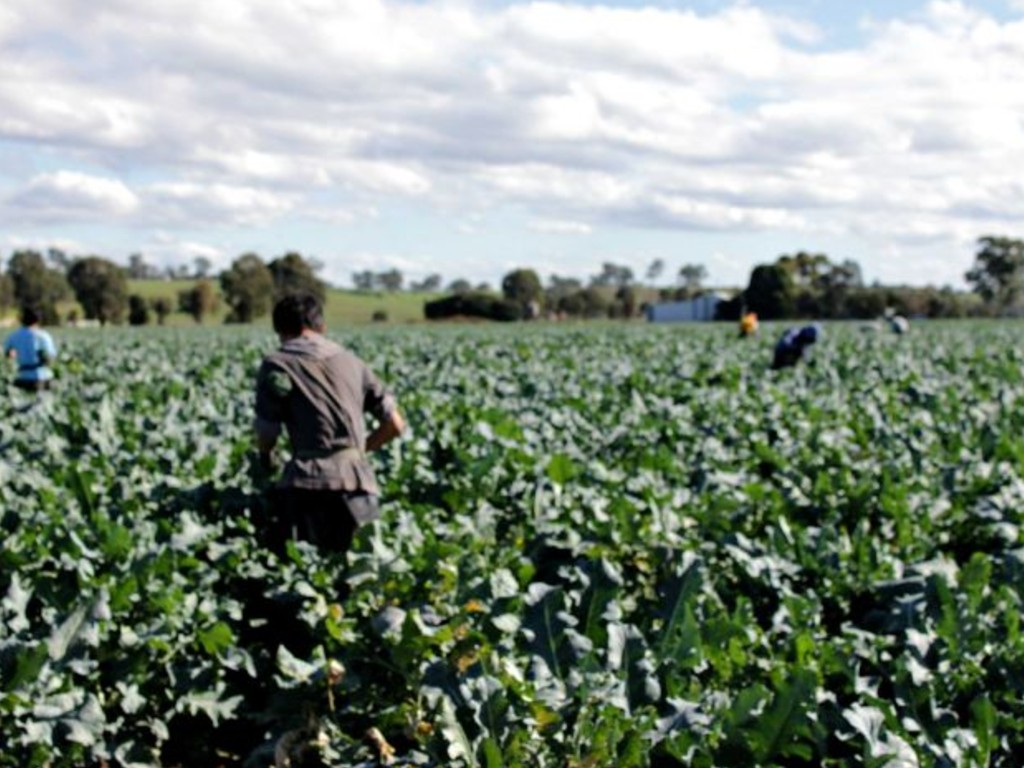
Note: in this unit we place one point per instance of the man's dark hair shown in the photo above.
(29, 315)
(296, 311)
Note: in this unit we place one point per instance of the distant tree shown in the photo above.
(162, 307)
(248, 288)
(832, 290)
(472, 304)
(560, 286)
(138, 310)
(483, 287)
(847, 274)
(586, 302)
(810, 285)
(865, 303)
(595, 302)
(58, 259)
(804, 267)
(947, 302)
(363, 281)
(429, 284)
(771, 293)
(138, 269)
(626, 302)
(293, 274)
(201, 267)
(558, 289)
(179, 272)
(6, 294)
(613, 274)
(33, 282)
(691, 279)
(522, 288)
(732, 308)
(101, 288)
(390, 280)
(459, 285)
(997, 275)
(199, 301)
(572, 304)
(655, 269)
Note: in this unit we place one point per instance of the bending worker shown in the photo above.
(794, 344)
(319, 391)
(748, 325)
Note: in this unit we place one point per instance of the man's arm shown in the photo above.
(391, 427)
(272, 388)
(267, 433)
(49, 350)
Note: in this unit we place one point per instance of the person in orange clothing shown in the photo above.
(748, 325)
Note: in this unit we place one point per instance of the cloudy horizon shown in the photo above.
(470, 138)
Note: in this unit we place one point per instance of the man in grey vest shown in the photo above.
(319, 391)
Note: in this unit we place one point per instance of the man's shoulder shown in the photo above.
(306, 347)
(18, 336)
(335, 350)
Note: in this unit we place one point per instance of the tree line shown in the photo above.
(613, 292)
(248, 287)
(800, 285)
(392, 280)
(810, 285)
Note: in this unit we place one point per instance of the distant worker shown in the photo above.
(319, 391)
(33, 350)
(794, 344)
(899, 324)
(748, 325)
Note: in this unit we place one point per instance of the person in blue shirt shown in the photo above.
(33, 349)
(794, 344)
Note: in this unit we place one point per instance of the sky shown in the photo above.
(470, 138)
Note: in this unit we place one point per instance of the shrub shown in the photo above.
(481, 305)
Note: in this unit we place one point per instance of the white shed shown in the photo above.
(699, 309)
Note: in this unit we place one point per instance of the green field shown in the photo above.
(608, 545)
(343, 308)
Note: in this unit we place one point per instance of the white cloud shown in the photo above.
(550, 227)
(262, 112)
(167, 250)
(73, 195)
(218, 204)
(341, 216)
(382, 177)
(697, 214)
(15, 242)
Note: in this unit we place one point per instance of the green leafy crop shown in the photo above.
(600, 546)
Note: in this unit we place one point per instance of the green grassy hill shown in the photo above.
(343, 307)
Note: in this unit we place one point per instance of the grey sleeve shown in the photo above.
(272, 388)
